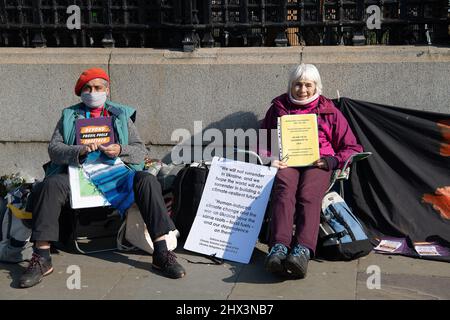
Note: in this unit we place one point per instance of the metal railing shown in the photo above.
(207, 23)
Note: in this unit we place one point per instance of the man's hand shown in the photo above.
(321, 164)
(112, 151)
(279, 164)
(88, 148)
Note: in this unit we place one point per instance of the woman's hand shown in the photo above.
(279, 164)
(112, 151)
(321, 164)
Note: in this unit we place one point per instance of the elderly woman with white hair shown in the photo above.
(298, 191)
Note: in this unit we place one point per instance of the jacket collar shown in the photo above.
(112, 109)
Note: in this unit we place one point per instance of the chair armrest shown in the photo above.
(249, 152)
(354, 158)
(344, 173)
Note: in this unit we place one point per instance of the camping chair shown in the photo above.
(338, 175)
(96, 223)
(97, 211)
(90, 225)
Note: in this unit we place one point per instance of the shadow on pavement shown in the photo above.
(15, 271)
(254, 271)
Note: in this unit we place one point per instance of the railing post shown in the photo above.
(39, 40)
(403, 13)
(341, 26)
(2, 12)
(108, 40)
(281, 39)
(189, 41)
(207, 40)
(4, 21)
(243, 18)
(358, 35)
(142, 21)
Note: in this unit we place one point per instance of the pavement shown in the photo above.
(128, 275)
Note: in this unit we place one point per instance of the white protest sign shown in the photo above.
(231, 210)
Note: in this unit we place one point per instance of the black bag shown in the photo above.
(187, 192)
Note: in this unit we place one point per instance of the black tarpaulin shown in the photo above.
(403, 189)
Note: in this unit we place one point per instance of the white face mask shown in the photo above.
(93, 100)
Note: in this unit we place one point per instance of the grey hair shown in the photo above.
(305, 72)
(105, 83)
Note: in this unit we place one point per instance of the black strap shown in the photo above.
(8, 228)
(338, 235)
(178, 199)
(339, 218)
(216, 261)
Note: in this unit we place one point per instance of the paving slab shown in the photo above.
(325, 280)
(98, 274)
(403, 278)
(202, 281)
(395, 264)
(401, 287)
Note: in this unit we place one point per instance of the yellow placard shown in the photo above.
(298, 139)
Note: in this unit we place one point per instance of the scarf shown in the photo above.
(303, 102)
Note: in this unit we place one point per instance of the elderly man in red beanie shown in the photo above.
(52, 194)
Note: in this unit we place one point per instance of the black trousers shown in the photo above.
(49, 198)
